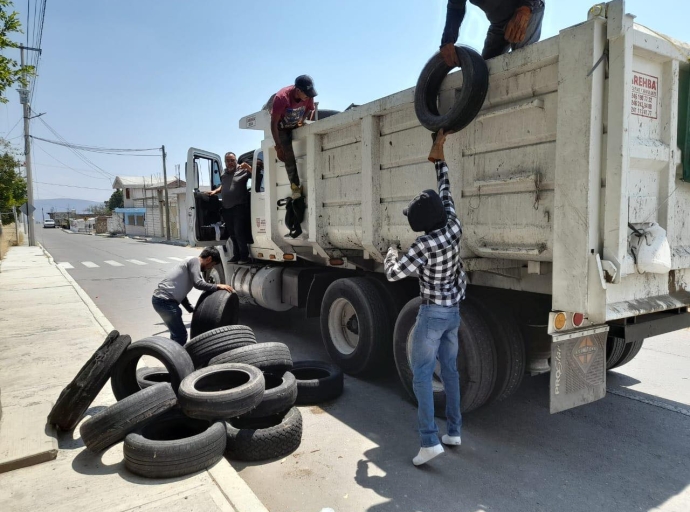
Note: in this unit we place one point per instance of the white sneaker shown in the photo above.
(426, 454)
(451, 440)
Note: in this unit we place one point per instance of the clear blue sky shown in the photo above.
(138, 74)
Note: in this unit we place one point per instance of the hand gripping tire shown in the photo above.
(213, 310)
(218, 341)
(76, 398)
(317, 382)
(113, 424)
(174, 445)
(469, 100)
(266, 438)
(170, 353)
(268, 357)
(221, 392)
(280, 395)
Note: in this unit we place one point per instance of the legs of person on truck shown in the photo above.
(236, 222)
(290, 162)
(496, 44)
(435, 335)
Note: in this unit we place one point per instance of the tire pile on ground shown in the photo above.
(222, 393)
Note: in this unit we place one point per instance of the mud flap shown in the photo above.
(578, 368)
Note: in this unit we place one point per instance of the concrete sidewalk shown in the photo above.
(49, 327)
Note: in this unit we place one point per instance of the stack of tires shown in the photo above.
(221, 393)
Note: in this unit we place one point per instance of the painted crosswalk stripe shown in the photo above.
(66, 265)
(89, 264)
(156, 260)
(175, 258)
(137, 262)
(114, 263)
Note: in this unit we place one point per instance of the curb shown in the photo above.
(93, 308)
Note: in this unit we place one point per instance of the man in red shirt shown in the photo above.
(291, 106)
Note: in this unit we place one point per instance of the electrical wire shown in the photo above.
(65, 166)
(96, 149)
(71, 186)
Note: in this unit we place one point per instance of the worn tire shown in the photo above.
(213, 310)
(174, 445)
(114, 423)
(79, 394)
(509, 345)
(252, 439)
(279, 396)
(468, 102)
(476, 358)
(268, 357)
(368, 321)
(170, 353)
(629, 352)
(221, 391)
(614, 351)
(217, 341)
(317, 382)
(147, 377)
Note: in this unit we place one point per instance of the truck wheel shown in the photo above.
(629, 353)
(614, 351)
(468, 100)
(174, 445)
(355, 325)
(214, 310)
(476, 357)
(218, 341)
(510, 347)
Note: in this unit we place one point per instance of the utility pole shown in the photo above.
(16, 223)
(24, 100)
(167, 204)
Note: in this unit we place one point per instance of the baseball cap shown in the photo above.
(426, 212)
(305, 83)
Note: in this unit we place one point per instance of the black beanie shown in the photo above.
(426, 212)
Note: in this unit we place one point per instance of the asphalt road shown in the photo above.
(627, 452)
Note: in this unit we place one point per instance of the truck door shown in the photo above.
(203, 170)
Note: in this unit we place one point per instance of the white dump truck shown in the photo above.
(573, 188)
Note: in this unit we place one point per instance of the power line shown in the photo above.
(15, 125)
(97, 149)
(71, 186)
(65, 166)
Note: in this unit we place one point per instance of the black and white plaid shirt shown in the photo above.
(435, 257)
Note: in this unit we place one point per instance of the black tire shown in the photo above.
(360, 343)
(170, 353)
(280, 395)
(629, 352)
(614, 351)
(252, 439)
(317, 382)
(79, 394)
(114, 423)
(476, 357)
(268, 357)
(222, 391)
(147, 377)
(468, 102)
(174, 445)
(217, 341)
(509, 344)
(214, 310)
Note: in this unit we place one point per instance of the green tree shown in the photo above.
(98, 209)
(10, 70)
(117, 200)
(12, 184)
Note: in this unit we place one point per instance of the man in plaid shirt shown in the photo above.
(435, 259)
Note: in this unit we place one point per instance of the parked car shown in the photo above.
(49, 223)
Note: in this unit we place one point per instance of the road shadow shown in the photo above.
(616, 454)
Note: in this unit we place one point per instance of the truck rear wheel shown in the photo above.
(614, 351)
(355, 325)
(629, 352)
(476, 357)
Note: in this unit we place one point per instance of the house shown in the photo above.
(143, 213)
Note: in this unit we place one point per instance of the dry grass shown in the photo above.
(8, 239)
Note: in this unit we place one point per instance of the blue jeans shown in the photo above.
(170, 312)
(435, 335)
